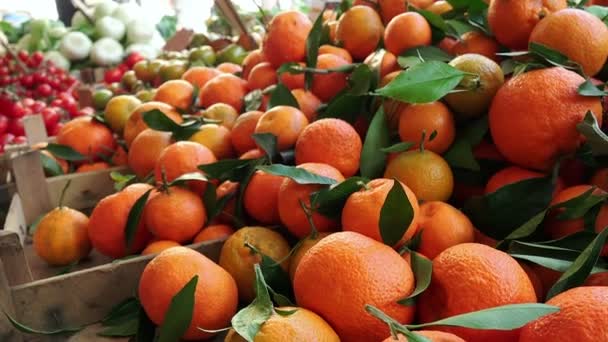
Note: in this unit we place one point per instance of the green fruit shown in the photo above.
(172, 70)
(101, 98)
(145, 95)
(204, 54)
(232, 53)
(199, 39)
(128, 80)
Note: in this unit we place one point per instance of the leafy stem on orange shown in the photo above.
(308, 212)
(63, 192)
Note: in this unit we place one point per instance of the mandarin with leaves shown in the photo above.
(216, 138)
(243, 128)
(229, 68)
(88, 137)
(198, 76)
(262, 76)
(432, 118)
(359, 31)
(261, 197)
(136, 124)
(254, 58)
(225, 88)
(155, 247)
(181, 158)
(301, 249)
(327, 86)
(477, 42)
(214, 232)
(176, 93)
(222, 113)
(285, 122)
(307, 102)
(145, 151)
(405, 31)
(285, 39)
(338, 51)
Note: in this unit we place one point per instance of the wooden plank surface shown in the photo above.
(32, 185)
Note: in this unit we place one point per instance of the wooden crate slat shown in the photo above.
(32, 186)
(16, 267)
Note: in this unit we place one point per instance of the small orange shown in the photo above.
(215, 296)
(308, 102)
(600, 179)
(334, 50)
(177, 93)
(262, 76)
(293, 81)
(175, 214)
(476, 42)
(537, 283)
(214, 232)
(428, 118)
(229, 68)
(330, 141)
(326, 86)
(145, 151)
(361, 212)
(158, 246)
(93, 167)
(88, 137)
(200, 75)
(388, 63)
(262, 196)
(359, 31)
(291, 193)
(136, 124)
(120, 157)
(582, 316)
(442, 226)
(223, 113)
(302, 248)
(226, 189)
(432, 335)
(597, 279)
(61, 237)
(345, 271)
(439, 7)
(225, 88)
(513, 174)
(243, 128)
(406, 31)
(216, 138)
(180, 158)
(285, 39)
(586, 42)
(285, 122)
(253, 154)
(254, 58)
(447, 44)
(390, 8)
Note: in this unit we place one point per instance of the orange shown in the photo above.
(136, 124)
(361, 212)
(514, 174)
(87, 137)
(118, 109)
(388, 63)
(546, 98)
(332, 27)
(391, 8)
(120, 157)
(293, 81)
(406, 31)
(238, 259)
(476, 42)
(93, 167)
(344, 272)
(470, 277)
(334, 50)
(512, 21)
(447, 44)
(433, 335)
(308, 103)
(597, 279)
(177, 93)
(285, 122)
(442, 226)
(586, 42)
(426, 173)
(262, 76)
(225, 88)
(302, 325)
(63, 164)
(261, 197)
(158, 246)
(225, 114)
(428, 118)
(557, 228)
(392, 108)
(330, 141)
(582, 316)
(180, 158)
(291, 193)
(253, 154)
(226, 189)
(214, 232)
(243, 128)
(301, 249)
(215, 296)
(175, 214)
(200, 75)
(359, 31)
(229, 68)
(108, 221)
(600, 179)
(285, 39)
(145, 151)
(216, 138)
(61, 237)
(254, 58)
(326, 86)
(537, 283)
(439, 7)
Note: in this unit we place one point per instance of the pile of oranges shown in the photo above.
(389, 207)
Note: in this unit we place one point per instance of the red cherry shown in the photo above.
(44, 90)
(18, 111)
(65, 96)
(51, 117)
(23, 55)
(19, 140)
(27, 81)
(3, 124)
(16, 127)
(6, 138)
(57, 103)
(112, 75)
(28, 102)
(133, 58)
(53, 131)
(37, 106)
(37, 58)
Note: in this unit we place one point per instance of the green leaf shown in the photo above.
(580, 269)
(373, 160)
(552, 57)
(435, 20)
(556, 258)
(599, 11)
(330, 201)
(500, 213)
(577, 241)
(268, 143)
(528, 228)
(146, 328)
(422, 83)
(578, 206)
(248, 321)
(285, 313)
(297, 174)
(157, 120)
(398, 147)
(313, 41)
(457, 28)
(274, 275)
(394, 325)
(179, 315)
(167, 26)
(587, 88)
(423, 269)
(125, 328)
(596, 138)
(50, 166)
(460, 155)
(360, 80)
(25, 329)
(282, 96)
(64, 152)
(134, 218)
(506, 317)
(120, 180)
(344, 6)
(191, 176)
(228, 169)
(344, 106)
(253, 100)
(124, 310)
(396, 215)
